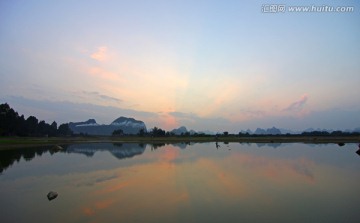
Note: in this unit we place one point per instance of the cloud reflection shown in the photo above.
(276, 169)
(179, 178)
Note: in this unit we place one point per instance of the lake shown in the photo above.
(202, 182)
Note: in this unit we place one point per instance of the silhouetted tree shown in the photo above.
(53, 129)
(118, 132)
(13, 124)
(8, 120)
(141, 132)
(43, 128)
(32, 125)
(157, 132)
(64, 130)
(20, 126)
(338, 133)
(316, 133)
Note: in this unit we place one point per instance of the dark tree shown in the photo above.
(64, 130)
(43, 128)
(8, 120)
(53, 129)
(13, 124)
(20, 126)
(32, 125)
(118, 132)
(157, 132)
(141, 132)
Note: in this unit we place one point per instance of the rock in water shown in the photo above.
(52, 195)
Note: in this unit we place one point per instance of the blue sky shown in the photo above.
(216, 65)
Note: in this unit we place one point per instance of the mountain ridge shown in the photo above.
(132, 126)
(91, 127)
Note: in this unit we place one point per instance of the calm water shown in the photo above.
(182, 183)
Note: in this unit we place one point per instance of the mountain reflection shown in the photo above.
(273, 145)
(181, 145)
(118, 150)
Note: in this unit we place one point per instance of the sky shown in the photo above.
(207, 65)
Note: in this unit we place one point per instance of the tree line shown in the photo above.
(13, 124)
(158, 132)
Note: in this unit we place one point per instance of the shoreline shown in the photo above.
(7, 143)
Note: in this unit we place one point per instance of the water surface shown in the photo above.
(235, 182)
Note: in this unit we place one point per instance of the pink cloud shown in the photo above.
(297, 105)
(101, 54)
(100, 72)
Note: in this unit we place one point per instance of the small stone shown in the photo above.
(52, 195)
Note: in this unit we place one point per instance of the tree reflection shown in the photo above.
(118, 150)
(9, 157)
(155, 146)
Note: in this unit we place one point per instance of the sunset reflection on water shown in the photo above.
(294, 182)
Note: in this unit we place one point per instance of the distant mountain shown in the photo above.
(248, 131)
(260, 131)
(129, 122)
(271, 131)
(318, 130)
(288, 131)
(90, 127)
(355, 130)
(90, 122)
(183, 130)
(192, 132)
(179, 131)
(207, 132)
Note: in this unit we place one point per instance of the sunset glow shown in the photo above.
(207, 65)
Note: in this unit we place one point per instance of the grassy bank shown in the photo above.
(20, 142)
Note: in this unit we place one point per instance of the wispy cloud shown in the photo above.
(64, 111)
(199, 123)
(183, 115)
(97, 95)
(252, 112)
(101, 54)
(102, 73)
(297, 105)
